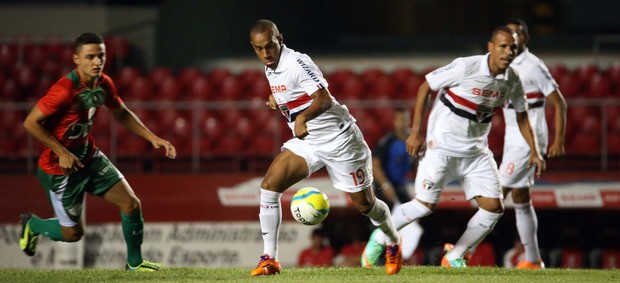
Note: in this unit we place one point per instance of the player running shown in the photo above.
(456, 145)
(71, 164)
(515, 176)
(325, 135)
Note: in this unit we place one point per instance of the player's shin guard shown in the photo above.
(380, 216)
(133, 226)
(478, 227)
(527, 226)
(270, 220)
(49, 228)
(409, 212)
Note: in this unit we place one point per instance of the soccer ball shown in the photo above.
(309, 206)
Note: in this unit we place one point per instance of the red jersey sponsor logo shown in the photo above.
(487, 93)
(278, 88)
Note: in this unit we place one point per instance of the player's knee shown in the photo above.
(363, 207)
(521, 196)
(131, 205)
(72, 234)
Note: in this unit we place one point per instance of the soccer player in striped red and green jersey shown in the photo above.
(71, 164)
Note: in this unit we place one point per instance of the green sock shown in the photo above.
(49, 228)
(133, 225)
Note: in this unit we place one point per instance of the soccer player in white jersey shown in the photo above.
(470, 89)
(514, 175)
(325, 135)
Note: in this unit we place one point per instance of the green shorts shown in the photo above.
(66, 193)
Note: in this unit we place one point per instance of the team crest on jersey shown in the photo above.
(483, 111)
(91, 98)
(285, 111)
(428, 184)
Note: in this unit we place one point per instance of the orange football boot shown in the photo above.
(524, 264)
(266, 266)
(393, 259)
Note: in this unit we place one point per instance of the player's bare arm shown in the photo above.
(321, 102)
(128, 119)
(68, 162)
(528, 134)
(415, 140)
(382, 179)
(559, 104)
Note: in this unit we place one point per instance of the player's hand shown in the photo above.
(69, 163)
(415, 145)
(540, 164)
(171, 152)
(301, 129)
(556, 150)
(272, 103)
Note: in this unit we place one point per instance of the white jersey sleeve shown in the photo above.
(308, 75)
(543, 79)
(517, 94)
(447, 76)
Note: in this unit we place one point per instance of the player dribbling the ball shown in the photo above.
(325, 135)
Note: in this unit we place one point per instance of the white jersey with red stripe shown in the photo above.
(468, 97)
(292, 82)
(537, 84)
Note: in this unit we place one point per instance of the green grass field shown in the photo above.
(315, 275)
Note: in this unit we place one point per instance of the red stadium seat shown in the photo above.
(613, 143)
(599, 86)
(382, 88)
(259, 89)
(582, 144)
(36, 56)
(610, 259)
(116, 47)
(572, 258)
(353, 88)
(125, 77)
(229, 145)
(140, 89)
(585, 72)
(168, 90)
(217, 76)
(199, 89)
(557, 70)
(591, 125)
(211, 127)
(8, 55)
(25, 76)
(262, 145)
(371, 78)
(230, 89)
(158, 74)
(569, 85)
(187, 76)
(10, 91)
(411, 87)
(400, 76)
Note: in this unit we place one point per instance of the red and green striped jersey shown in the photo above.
(70, 108)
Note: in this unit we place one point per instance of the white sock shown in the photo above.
(527, 226)
(270, 220)
(478, 227)
(405, 214)
(380, 216)
(411, 238)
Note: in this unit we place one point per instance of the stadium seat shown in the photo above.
(230, 89)
(352, 88)
(116, 47)
(230, 117)
(410, 87)
(25, 76)
(400, 76)
(158, 74)
(610, 259)
(168, 90)
(140, 89)
(569, 85)
(187, 76)
(8, 55)
(583, 144)
(571, 258)
(199, 90)
(382, 88)
(599, 86)
(211, 128)
(217, 76)
(259, 88)
(36, 56)
(229, 145)
(557, 70)
(585, 72)
(126, 76)
(10, 91)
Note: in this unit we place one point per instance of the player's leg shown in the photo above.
(480, 182)
(289, 167)
(517, 180)
(527, 227)
(66, 194)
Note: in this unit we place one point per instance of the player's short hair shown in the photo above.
(500, 29)
(87, 38)
(520, 22)
(264, 25)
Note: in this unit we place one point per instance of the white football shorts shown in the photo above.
(477, 174)
(347, 159)
(513, 172)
